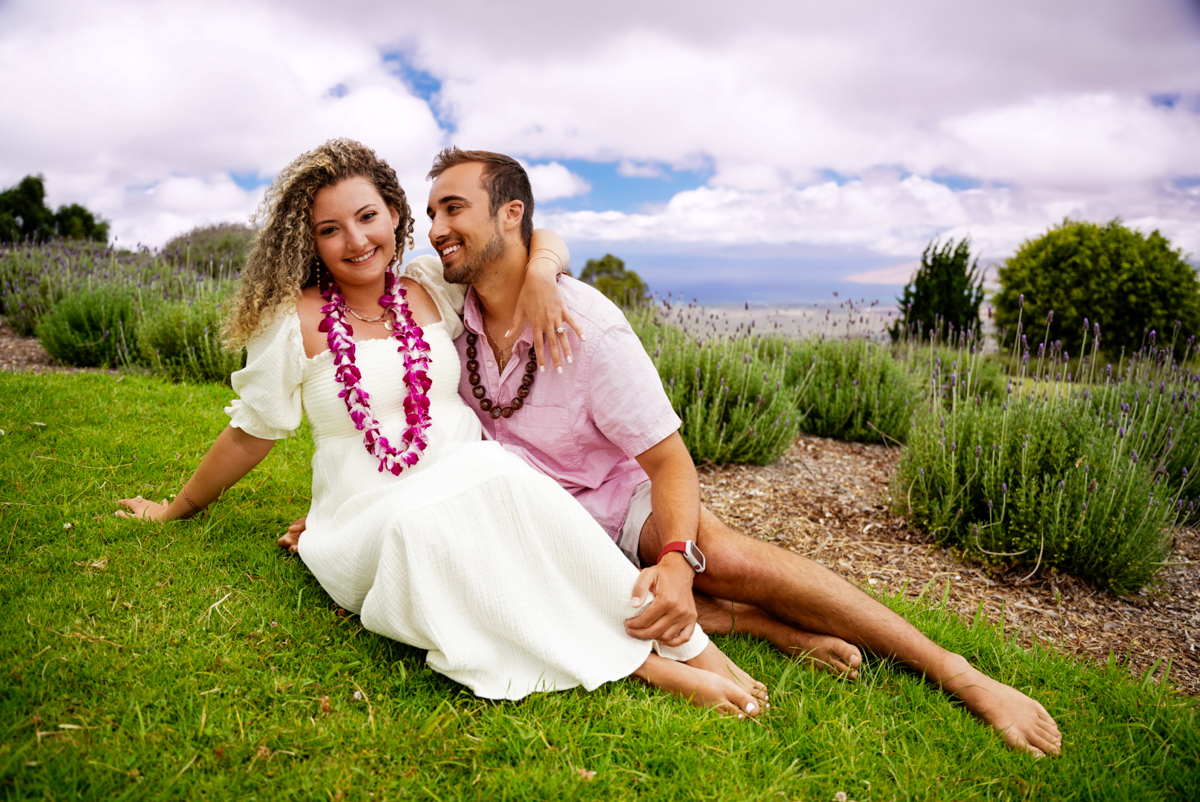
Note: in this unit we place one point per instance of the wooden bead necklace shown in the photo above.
(494, 409)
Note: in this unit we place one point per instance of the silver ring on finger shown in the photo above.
(560, 330)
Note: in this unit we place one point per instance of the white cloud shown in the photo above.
(553, 180)
(1045, 106)
(896, 217)
(121, 97)
(630, 169)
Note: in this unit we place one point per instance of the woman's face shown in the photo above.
(354, 231)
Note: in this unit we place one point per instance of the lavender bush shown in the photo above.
(94, 328)
(852, 388)
(734, 404)
(1067, 472)
(177, 305)
(180, 340)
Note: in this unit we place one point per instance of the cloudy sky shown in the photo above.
(762, 151)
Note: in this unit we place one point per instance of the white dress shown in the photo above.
(470, 554)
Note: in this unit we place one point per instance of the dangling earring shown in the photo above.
(324, 279)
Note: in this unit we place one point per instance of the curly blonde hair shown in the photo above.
(283, 259)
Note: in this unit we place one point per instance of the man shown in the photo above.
(605, 431)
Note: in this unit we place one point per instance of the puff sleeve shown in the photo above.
(427, 271)
(268, 387)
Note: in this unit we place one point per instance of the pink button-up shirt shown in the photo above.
(584, 427)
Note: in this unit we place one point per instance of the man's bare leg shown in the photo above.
(812, 598)
(825, 652)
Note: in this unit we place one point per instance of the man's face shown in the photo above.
(464, 233)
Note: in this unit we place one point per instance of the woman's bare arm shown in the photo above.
(540, 302)
(231, 457)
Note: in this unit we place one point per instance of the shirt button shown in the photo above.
(490, 364)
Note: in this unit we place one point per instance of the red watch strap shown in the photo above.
(676, 545)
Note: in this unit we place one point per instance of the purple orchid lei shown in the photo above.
(412, 347)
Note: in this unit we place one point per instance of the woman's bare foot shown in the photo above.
(1021, 721)
(291, 538)
(701, 688)
(714, 660)
(826, 652)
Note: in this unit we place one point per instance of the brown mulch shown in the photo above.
(829, 500)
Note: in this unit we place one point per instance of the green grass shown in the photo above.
(190, 660)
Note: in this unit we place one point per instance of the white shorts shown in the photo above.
(635, 519)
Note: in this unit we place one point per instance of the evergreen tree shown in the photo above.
(23, 213)
(623, 287)
(944, 295)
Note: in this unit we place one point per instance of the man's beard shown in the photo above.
(473, 264)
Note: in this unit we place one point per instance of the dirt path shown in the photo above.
(828, 500)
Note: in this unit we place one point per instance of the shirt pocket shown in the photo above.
(547, 430)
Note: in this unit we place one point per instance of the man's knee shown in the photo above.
(651, 541)
(730, 554)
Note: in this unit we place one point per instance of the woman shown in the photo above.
(433, 536)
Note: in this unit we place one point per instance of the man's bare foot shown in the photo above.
(701, 688)
(1021, 721)
(826, 652)
(714, 660)
(291, 538)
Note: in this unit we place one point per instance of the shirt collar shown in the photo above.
(473, 318)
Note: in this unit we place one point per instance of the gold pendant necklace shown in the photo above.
(387, 324)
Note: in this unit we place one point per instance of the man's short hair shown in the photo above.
(503, 177)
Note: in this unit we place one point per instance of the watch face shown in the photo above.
(695, 557)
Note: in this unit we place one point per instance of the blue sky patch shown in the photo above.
(956, 182)
(833, 175)
(421, 83)
(249, 181)
(612, 191)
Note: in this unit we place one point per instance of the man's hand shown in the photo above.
(670, 619)
(291, 538)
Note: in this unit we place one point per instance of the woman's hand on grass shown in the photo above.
(142, 508)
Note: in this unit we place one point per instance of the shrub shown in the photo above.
(733, 403)
(1062, 474)
(181, 340)
(92, 328)
(212, 250)
(937, 369)
(1154, 396)
(1035, 482)
(850, 389)
(944, 295)
(1130, 283)
(621, 286)
(34, 278)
